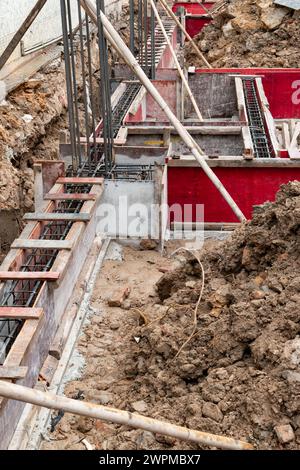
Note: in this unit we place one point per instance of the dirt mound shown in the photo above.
(250, 33)
(239, 375)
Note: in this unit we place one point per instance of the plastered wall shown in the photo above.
(46, 27)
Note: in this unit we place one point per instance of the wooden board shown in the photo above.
(78, 180)
(30, 244)
(21, 313)
(11, 372)
(29, 275)
(56, 216)
(70, 197)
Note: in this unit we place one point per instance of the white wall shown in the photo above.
(46, 27)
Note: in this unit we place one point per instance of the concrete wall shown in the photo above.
(125, 210)
(46, 27)
(215, 95)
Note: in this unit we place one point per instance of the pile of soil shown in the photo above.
(250, 33)
(240, 374)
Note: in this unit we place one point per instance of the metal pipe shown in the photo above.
(114, 415)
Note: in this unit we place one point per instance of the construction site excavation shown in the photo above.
(150, 226)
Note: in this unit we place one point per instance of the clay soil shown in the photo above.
(240, 374)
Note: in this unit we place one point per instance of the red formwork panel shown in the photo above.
(168, 91)
(194, 24)
(282, 88)
(248, 187)
(193, 8)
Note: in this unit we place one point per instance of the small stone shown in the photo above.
(291, 376)
(114, 325)
(104, 398)
(126, 305)
(296, 420)
(148, 244)
(119, 296)
(246, 256)
(258, 294)
(221, 374)
(84, 424)
(139, 406)
(211, 410)
(284, 433)
(190, 284)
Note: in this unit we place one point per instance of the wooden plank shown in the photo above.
(31, 244)
(21, 313)
(48, 370)
(21, 344)
(56, 216)
(29, 275)
(295, 135)
(78, 180)
(70, 197)
(286, 135)
(13, 372)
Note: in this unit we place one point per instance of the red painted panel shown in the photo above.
(137, 117)
(194, 25)
(282, 88)
(167, 89)
(193, 8)
(247, 186)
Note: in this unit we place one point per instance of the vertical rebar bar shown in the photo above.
(91, 87)
(105, 90)
(146, 37)
(131, 13)
(83, 70)
(140, 31)
(75, 90)
(153, 65)
(69, 83)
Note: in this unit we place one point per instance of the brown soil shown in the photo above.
(250, 33)
(240, 374)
